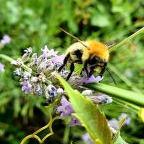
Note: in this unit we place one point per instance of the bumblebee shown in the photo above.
(90, 53)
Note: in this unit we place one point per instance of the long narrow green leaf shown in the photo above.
(127, 39)
(89, 115)
(129, 96)
(3, 56)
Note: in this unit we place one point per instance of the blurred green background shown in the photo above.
(35, 23)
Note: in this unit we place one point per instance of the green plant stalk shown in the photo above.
(125, 95)
(127, 39)
(66, 134)
(131, 106)
(9, 59)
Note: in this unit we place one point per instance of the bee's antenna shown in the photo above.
(111, 75)
(74, 37)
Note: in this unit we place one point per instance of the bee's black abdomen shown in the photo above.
(78, 53)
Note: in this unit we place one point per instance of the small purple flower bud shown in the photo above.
(52, 91)
(47, 52)
(35, 60)
(101, 99)
(27, 53)
(64, 73)
(26, 75)
(34, 79)
(39, 92)
(26, 87)
(74, 121)
(42, 77)
(50, 66)
(1, 67)
(65, 108)
(17, 72)
(42, 66)
(60, 91)
(39, 89)
(18, 62)
(87, 92)
(5, 40)
(46, 65)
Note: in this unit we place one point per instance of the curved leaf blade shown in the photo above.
(89, 115)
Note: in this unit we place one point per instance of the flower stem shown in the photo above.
(125, 95)
(7, 58)
(127, 39)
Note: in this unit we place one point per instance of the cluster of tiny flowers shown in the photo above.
(34, 79)
(66, 110)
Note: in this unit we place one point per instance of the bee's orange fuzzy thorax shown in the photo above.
(98, 49)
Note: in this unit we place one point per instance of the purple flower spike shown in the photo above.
(92, 79)
(66, 108)
(26, 87)
(1, 67)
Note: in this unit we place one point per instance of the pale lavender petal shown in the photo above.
(74, 121)
(5, 40)
(92, 79)
(58, 59)
(65, 109)
(1, 67)
(26, 87)
(48, 53)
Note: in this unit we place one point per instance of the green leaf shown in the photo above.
(89, 115)
(122, 94)
(119, 140)
(100, 20)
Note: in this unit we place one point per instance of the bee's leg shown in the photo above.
(85, 68)
(103, 69)
(71, 70)
(91, 71)
(81, 71)
(64, 63)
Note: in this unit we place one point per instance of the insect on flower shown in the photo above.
(90, 53)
